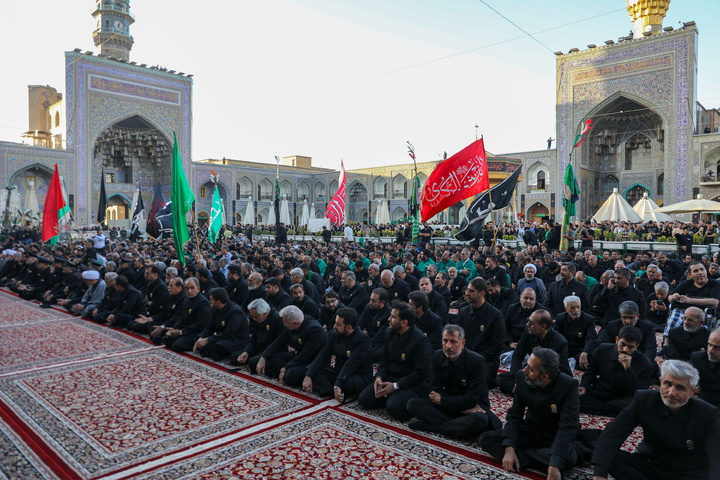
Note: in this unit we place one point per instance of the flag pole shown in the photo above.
(564, 241)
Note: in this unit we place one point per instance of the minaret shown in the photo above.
(647, 15)
(113, 28)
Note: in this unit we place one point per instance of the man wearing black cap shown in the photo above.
(39, 283)
(228, 330)
(125, 269)
(69, 282)
(130, 304)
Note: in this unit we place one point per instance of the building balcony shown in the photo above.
(110, 31)
(115, 7)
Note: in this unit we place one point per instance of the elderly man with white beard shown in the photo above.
(681, 433)
(530, 281)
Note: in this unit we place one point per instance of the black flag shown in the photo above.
(139, 207)
(153, 226)
(164, 221)
(102, 206)
(480, 208)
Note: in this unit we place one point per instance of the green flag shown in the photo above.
(415, 209)
(182, 200)
(571, 191)
(216, 215)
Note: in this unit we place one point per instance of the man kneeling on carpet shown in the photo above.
(195, 314)
(545, 436)
(681, 434)
(458, 404)
(304, 335)
(352, 371)
(404, 368)
(227, 331)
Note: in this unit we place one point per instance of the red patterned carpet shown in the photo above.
(61, 340)
(21, 312)
(83, 401)
(329, 445)
(122, 411)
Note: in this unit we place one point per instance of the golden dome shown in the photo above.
(647, 15)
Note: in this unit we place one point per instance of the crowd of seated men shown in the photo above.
(426, 333)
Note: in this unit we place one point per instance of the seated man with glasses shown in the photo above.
(539, 333)
(630, 317)
(691, 337)
(696, 291)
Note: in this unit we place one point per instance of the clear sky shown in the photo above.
(350, 79)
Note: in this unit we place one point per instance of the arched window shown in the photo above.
(303, 192)
(661, 184)
(244, 188)
(609, 182)
(635, 194)
(57, 119)
(541, 180)
(203, 192)
(265, 190)
(637, 150)
(319, 192)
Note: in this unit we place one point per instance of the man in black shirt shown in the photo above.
(484, 326)
(426, 320)
(404, 368)
(630, 317)
(458, 404)
(326, 234)
(352, 294)
(500, 297)
(681, 434)
(542, 422)
(352, 370)
(708, 365)
(306, 337)
(266, 326)
(226, 332)
(397, 289)
(616, 371)
(329, 309)
(690, 337)
(566, 286)
(236, 287)
(277, 298)
(517, 317)
(619, 290)
(374, 321)
(578, 328)
(195, 314)
(539, 333)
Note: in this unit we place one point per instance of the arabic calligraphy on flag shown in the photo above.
(336, 208)
(461, 176)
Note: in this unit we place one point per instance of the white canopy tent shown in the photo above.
(31, 203)
(271, 217)
(617, 209)
(285, 212)
(249, 217)
(383, 213)
(697, 205)
(305, 215)
(646, 208)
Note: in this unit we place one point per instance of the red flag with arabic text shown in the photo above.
(461, 176)
(336, 208)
